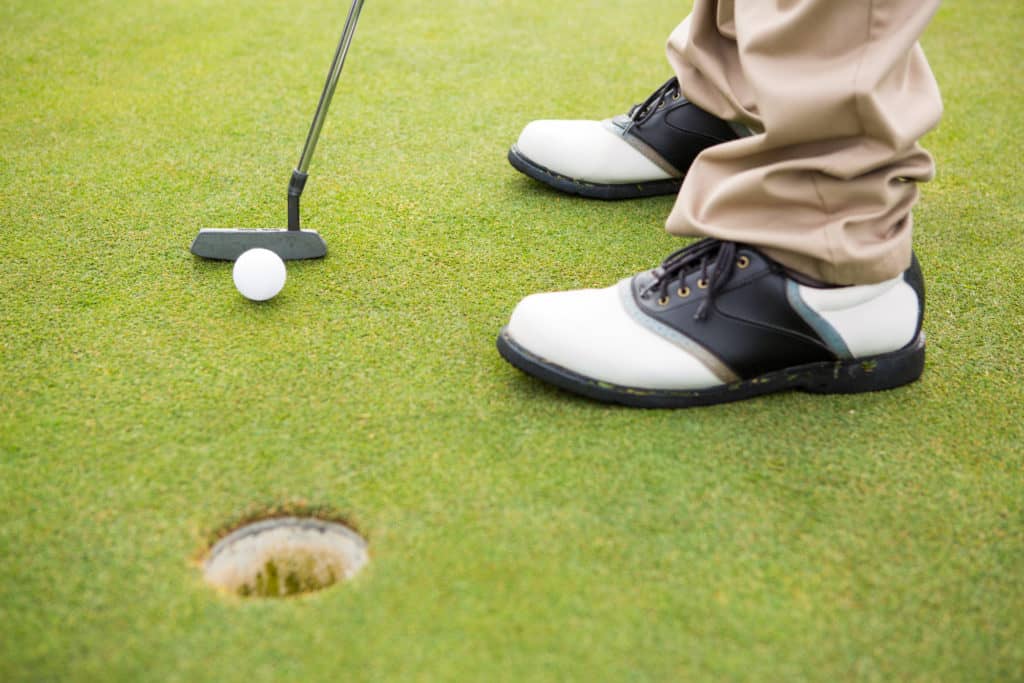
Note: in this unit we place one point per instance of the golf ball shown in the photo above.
(259, 274)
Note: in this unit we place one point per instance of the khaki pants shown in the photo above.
(837, 94)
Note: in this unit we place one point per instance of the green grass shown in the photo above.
(517, 533)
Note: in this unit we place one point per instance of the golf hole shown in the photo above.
(285, 556)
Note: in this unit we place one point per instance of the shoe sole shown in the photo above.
(876, 373)
(591, 190)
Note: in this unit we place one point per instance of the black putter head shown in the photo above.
(289, 243)
(228, 244)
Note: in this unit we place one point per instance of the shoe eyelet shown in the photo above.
(663, 301)
(702, 283)
(742, 262)
(676, 97)
(683, 292)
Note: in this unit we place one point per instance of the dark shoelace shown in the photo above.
(669, 90)
(715, 260)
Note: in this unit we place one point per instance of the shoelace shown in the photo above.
(641, 112)
(715, 260)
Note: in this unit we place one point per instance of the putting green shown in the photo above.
(515, 533)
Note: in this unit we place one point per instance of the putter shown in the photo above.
(227, 244)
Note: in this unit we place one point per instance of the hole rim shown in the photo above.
(339, 529)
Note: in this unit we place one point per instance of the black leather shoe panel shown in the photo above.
(687, 117)
(681, 130)
(915, 278)
(770, 307)
(749, 326)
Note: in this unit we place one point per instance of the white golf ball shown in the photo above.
(259, 274)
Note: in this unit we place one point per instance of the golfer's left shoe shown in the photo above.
(717, 322)
(640, 154)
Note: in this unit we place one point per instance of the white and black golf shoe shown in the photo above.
(718, 322)
(640, 154)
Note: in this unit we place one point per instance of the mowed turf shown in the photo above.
(517, 533)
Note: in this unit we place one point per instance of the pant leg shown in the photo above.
(837, 94)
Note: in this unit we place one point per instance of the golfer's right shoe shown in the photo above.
(718, 322)
(640, 154)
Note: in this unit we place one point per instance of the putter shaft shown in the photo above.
(329, 86)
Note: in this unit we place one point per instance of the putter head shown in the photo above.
(227, 244)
